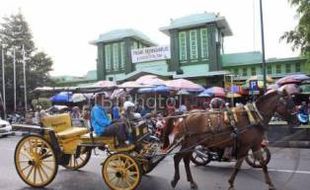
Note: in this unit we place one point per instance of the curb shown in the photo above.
(291, 144)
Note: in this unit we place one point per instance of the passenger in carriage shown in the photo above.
(103, 125)
(217, 103)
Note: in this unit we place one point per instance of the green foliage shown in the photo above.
(44, 103)
(15, 34)
(300, 36)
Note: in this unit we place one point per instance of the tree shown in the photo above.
(300, 36)
(15, 34)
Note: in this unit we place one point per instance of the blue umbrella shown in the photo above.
(156, 89)
(205, 93)
(62, 97)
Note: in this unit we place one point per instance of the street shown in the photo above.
(289, 169)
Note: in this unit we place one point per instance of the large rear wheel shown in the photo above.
(35, 161)
(121, 172)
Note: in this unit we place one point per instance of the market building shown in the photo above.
(195, 52)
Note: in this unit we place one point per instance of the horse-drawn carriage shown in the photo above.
(56, 142)
(38, 154)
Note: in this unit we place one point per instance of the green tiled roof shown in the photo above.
(197, 20)
(236, 59)
(119, 34)
(206, 74)
(252, 58)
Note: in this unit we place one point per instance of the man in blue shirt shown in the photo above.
(103, 125)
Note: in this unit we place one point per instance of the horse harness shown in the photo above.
(231, 118)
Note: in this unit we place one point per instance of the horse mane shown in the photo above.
(266, 96)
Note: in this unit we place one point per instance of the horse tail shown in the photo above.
(167, 131)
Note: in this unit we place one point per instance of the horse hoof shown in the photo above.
(231, 188)
(173, 183)
(194, 186)
(272, 188)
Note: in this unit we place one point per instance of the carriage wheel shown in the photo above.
(201, 159)
(121, 171)
(35, 161)
(252, 161)
(76, 163)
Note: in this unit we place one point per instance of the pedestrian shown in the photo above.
(116, 111)
(76, 116)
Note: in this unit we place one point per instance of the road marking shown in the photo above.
(289, 171)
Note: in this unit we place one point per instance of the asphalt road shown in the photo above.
(289, 170)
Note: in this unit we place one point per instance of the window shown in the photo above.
(122, 55)
(107, 50)
(253, 71)
(182, 46)
(269, 69)
(141, 45)
(115, 57)
(288, 68)
(236, 71)
(204, 43)
(278, 69)
(193, 44)
(297, 69)
(134, 45)
(244, 72)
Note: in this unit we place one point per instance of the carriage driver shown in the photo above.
(102, 124)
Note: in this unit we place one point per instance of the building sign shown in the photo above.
(253, 87)
(150, 54)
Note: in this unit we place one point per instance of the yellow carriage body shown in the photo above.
(68, 136)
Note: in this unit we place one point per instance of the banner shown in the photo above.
(150, 54)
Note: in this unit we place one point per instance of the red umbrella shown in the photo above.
(292, 79)
(216, 91)
(184, 84)
(150, 80)
(105, 83)
(290, 88)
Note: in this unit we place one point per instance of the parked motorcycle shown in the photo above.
(203, 156)
(303, 118)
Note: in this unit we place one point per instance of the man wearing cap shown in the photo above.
(102, 124)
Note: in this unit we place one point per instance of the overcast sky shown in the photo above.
(63, 28)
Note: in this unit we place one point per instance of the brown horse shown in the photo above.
(243, 129)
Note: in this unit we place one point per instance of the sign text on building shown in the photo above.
(150, 54)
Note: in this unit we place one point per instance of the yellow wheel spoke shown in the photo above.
(25, 168)
(30, 171)
(46, 153)
(36, 145)
(46, 166)
(34, 174)
(40, 173)
(127, 183)
(43, 171)
(75, 162)
(83, 159)
(129, 166)
(26, 155)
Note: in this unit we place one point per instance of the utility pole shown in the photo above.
(3, 84)
(231, 89)
(25, 83)
(263, 44)
(14, 78)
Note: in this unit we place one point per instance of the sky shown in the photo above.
(64, 28)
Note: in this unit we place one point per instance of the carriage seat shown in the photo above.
(71, 132)
(97, 139)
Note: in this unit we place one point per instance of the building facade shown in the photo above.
(196, 49)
